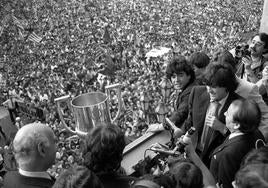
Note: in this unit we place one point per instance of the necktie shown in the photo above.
(208, 131)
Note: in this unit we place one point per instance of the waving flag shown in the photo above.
(99, 52)
(1, 30)
(34, 37)
(19, 22)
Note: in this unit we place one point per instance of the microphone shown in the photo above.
(181, 145)
(177, 132)
(166, 152)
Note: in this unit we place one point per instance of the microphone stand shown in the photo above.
(167, 127)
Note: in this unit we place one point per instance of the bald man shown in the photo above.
(35, 150)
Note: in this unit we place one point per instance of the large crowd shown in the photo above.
(87, 45)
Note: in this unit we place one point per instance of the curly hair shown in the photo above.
(199, 59)
(77, 177)
(221, 75)
(180, 64)
(187, 175)
(104, 147)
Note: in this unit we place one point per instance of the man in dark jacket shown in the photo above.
(207, 105)
(35, 150)
(242, 120)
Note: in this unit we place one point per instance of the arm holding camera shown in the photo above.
(248, 63)
(208, 178)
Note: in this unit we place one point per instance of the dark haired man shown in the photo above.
(103, 155)
(242, 120)
(199, 61)
(207, 105)
(182, 75)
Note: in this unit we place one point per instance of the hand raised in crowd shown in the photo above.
(247, 61)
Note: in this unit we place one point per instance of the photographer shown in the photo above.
(255, 63)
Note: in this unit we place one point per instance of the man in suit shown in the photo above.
(207, 105)
(242, 120)
(35, 151)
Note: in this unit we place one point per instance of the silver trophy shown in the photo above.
(90, 109)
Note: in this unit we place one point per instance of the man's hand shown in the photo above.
(247, 62)
(215, 124)
(190, 150)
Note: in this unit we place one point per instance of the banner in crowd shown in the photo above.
(157, 52)
(29, 110)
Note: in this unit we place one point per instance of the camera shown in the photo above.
(242, 51)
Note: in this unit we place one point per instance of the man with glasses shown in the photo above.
(255, 63)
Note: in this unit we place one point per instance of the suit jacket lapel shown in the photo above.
(217, 135)
(206, 98)
(198, 104)
(232, 96)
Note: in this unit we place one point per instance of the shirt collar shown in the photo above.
(34, 174)
(222, 101)
(232, 135)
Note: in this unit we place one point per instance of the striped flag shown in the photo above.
(20, 23)
(99, 52)
(34, 37)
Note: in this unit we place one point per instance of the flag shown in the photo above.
(19, 22)
(1, 30)
(99, 52)
(34, 37)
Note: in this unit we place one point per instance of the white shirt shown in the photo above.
(232, 135)
(205, 128)
(34, 174)
(222, 102)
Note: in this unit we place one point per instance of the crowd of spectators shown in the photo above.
(75, 32)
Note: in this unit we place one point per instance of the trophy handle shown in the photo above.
(58, 101)
(117, 87)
